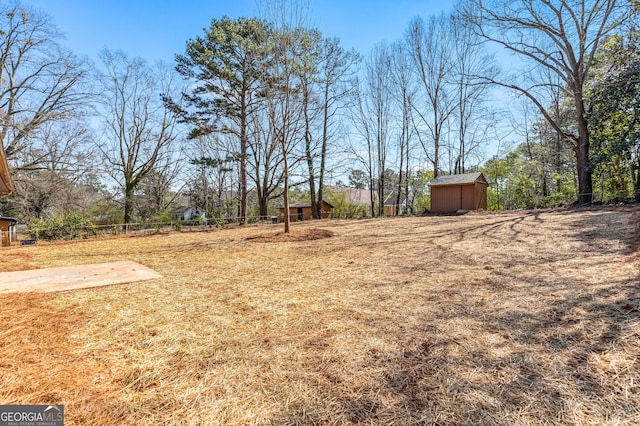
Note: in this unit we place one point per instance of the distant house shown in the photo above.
(451, 193)
(186, 213)
(8, 232)
(355, 197)
(394, 208)
(302, 211)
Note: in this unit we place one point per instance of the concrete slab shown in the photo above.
(75, 277)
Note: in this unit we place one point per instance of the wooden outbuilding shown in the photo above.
(302, 211)
(7, 231)
(451, 193)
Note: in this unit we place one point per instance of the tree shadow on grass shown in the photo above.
(517, 348)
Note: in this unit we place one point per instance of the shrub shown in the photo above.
(66, 226)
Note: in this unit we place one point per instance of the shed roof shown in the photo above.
(6, 185)
(8, 219)
(302, 205)
(460, 179)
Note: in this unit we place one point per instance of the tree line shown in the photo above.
(258, 110)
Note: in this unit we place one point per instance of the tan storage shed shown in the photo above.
(302, 211)
(451, 193)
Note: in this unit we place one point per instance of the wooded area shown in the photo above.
(261, 111)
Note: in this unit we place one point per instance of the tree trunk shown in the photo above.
(585, 184)
(635, 174)
(323, 151)
(243, 169)
(285, 194)
(263, 204)
(128, 207)
(312, 182)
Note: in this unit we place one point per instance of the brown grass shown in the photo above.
(296, 235)
(15, 260)
(499, 319)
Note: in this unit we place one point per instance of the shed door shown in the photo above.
(445, 199)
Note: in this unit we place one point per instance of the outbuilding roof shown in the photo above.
(302, 205)
(460, 179)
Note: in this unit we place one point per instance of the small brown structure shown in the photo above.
(451, 193)
(302, 211)
(7, 231)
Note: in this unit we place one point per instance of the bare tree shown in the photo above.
(309, 50)
(371, 118)
(284, 109)
(57, 184)
(404, 91)
(561, 36)
(139, 128)
(470, 114)
(337, 68)
(365, 129)
(431, 46)
(40, 82)
(283, 85)
(265, 162)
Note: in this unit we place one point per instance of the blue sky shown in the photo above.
(157, 30)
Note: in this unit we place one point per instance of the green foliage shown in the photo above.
(419, 183)
(534, 175)
(342, 208)
(358, 179)
(162, 217)
(614, 122)
(67, 226)
(229, 53)
(106, 212)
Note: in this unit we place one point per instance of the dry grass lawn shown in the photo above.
(519, 318)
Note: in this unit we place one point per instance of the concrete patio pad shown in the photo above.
(75, 277)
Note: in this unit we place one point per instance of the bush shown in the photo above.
(67, 226)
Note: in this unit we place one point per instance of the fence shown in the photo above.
(90, 231)
(29, 234)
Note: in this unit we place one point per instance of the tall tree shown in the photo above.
(470, 112)
(560, 36)
(337, 68)
(404, 89)
(225, 69)
(430, 46)
(371, 116)
(139, 128)
(56, 185)
(379, 88)
(308, 50)
(286, 100)
(284, 106)
(40, 82)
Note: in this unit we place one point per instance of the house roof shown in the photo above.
(355, 197)
(460, 179)
(391, 199)
(6, 185)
